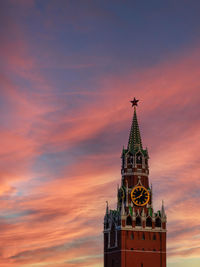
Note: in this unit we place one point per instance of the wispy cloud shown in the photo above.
(60, 146)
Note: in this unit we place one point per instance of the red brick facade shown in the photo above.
(136, 249)
(134, 234)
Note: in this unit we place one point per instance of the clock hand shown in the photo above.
(139, 195)
(136, 198)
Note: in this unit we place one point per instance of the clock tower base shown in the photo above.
(137, 253)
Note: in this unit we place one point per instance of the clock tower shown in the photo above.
(134, 233)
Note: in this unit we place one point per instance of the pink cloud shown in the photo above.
(71, 206)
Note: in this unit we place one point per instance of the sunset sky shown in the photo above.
(68, 71)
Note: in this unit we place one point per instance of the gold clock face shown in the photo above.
(140, 196)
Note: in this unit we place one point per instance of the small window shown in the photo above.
(149, 222)
(139, 158)
(138, 221)
(154, 237)
(130, 159)
(131, 248)
(129, 221)
(158, 222)
(142, 265)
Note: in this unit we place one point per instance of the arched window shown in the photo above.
(138, 221)
(139, 158)
(149, 222)
(130, 159)
(128, 220)
(158, 222)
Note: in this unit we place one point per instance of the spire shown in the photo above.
(135, 141)
(163, 210)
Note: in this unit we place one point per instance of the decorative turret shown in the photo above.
(162, 210)
(163, 214)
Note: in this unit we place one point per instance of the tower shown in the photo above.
(134, 234)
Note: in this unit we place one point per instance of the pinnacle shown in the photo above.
(135, 141)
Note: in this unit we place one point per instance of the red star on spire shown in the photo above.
(134, 102)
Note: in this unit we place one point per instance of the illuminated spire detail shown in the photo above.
(135, 141)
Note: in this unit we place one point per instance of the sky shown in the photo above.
(68, 70)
